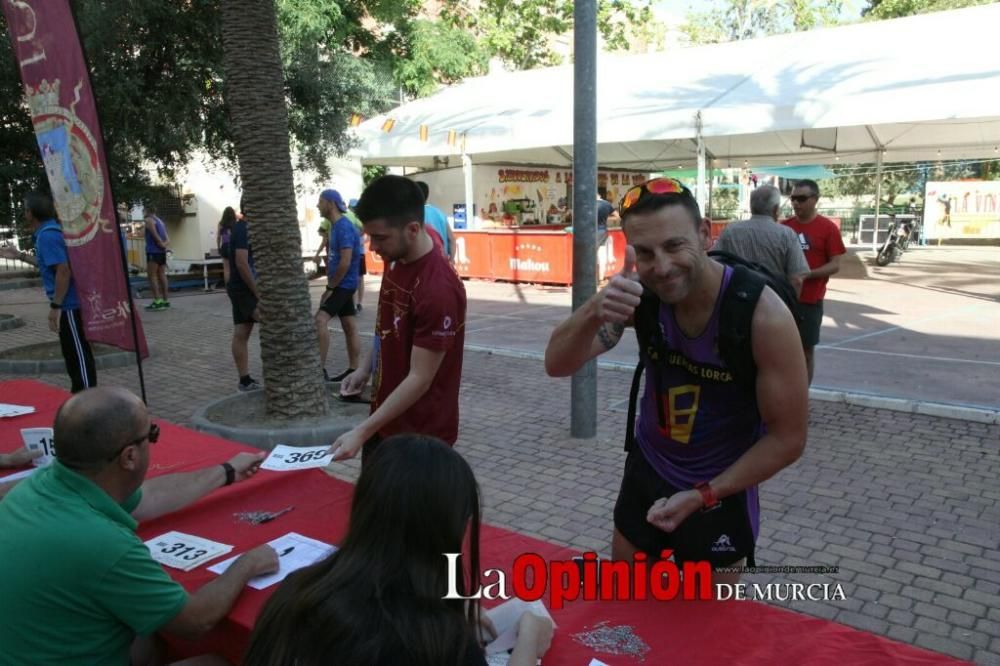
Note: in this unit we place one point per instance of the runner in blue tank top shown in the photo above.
(157, 246)
(690, 486)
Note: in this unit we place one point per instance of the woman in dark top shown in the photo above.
(222, 239)
(377, 601)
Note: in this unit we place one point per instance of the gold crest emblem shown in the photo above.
(69, 152)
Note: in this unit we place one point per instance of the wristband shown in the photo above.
(55, 306)
(707, 495)
(230, 473)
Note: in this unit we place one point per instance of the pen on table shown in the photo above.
(286, 551)
(268, 519)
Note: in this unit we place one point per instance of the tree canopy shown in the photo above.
(858, 180)
(735, 20)
(157, 75)
(887, 9)
(525, 34)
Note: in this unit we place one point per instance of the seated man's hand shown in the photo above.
(246, 464)
(261, 560)
(21, 456)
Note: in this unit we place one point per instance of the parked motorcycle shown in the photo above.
(896, 242)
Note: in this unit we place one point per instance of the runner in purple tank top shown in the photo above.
(704, 441)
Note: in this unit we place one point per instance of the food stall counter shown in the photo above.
(518, 254)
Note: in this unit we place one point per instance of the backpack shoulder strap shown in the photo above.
(735, 324)
(633, 401)
(651, 349)
(647, 328)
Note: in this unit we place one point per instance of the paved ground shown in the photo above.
(924, 329)
(907, 506)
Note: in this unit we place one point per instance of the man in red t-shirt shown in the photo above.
(821, 242)
(416, 355)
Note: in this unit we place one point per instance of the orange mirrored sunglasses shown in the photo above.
(654, 186)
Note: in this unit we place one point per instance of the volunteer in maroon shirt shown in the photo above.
(821, 242)
(416, 356)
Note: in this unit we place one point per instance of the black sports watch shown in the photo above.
(230, 473)
(55, 306)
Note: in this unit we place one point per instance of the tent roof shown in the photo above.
(913, 86)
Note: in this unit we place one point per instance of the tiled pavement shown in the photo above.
(908, 507)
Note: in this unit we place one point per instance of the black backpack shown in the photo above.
(735, 318)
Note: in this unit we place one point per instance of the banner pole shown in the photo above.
(121, 239)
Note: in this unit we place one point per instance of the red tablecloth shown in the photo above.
(678, 632)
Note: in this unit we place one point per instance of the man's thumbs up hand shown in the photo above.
(618, 300)
(628, 270)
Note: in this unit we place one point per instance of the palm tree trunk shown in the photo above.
(259, 119)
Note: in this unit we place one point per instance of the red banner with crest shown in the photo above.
(57, 89)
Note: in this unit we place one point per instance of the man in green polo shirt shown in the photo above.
(79, 585)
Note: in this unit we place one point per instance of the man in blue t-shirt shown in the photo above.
(52, 261)
(243, 295)
(342, 267)
(438, 221)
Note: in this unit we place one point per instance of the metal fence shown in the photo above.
(849, 216)
(11, 235)
(135, 248)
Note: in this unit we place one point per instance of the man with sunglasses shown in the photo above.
(704, 440)
(823, 246)
(79, 585)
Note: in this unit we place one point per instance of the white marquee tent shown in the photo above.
(923, 87)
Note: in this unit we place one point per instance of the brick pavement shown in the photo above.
(907, 506)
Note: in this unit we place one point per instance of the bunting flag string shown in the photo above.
(456, 139)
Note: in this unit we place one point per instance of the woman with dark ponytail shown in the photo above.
(378, 600)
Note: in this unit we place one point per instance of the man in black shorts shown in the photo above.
(703, 440)
(342, 264)
(242, 291)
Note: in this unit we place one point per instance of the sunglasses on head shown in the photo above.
(800, 198)
(152, 436)
(654, 186)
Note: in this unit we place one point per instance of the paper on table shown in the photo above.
(284, 458)
(295, 551)
(503, 659)
(14, 410)
(505, 619)
(184, 551)
(18, 475)
(40, 439)
(595, 662)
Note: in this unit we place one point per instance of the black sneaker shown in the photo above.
(339, 378)
(252, 385)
